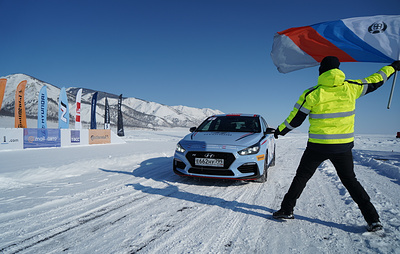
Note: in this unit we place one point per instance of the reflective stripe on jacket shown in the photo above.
(330, 106)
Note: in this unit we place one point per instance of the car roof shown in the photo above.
(251, 115)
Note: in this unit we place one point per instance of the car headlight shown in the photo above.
(250, 150)
(179, 148)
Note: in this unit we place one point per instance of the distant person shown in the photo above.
(330, 106)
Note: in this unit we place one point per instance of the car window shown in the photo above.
(231, 124)
(264, 124)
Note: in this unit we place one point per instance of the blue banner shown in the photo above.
(35, 138)
(42, 108)
(93, 124)
(63, 110)
(75, 136)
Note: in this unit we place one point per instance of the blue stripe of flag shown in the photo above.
(342, 37)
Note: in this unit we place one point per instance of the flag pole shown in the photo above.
(391, 91)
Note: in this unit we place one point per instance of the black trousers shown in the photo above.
(344, 166)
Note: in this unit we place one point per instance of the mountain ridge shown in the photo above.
(137, 113)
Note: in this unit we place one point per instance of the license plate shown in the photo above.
(209, 162)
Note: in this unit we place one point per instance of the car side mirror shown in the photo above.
(270, 131)
(193, 129)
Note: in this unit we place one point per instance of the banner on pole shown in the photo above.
(3, 83)
(63, 110)
(93, 124)
(42, 108)
(106, 115)
(120, 125)
(78, 124)
(20, 114)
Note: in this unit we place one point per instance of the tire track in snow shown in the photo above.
(219, 205)
(231, 226)
(105, 197)
(194, 205)
(83, 221)
(48, 234)
(235, 219)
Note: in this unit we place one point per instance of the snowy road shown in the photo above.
(125, 199)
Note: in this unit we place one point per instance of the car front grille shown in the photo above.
(208, 171)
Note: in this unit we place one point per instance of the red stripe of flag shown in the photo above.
(315, 45)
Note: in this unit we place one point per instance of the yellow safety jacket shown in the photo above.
(330, 106)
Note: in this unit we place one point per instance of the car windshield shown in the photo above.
(231, 124)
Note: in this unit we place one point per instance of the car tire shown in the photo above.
(264, 176)
(272, 163)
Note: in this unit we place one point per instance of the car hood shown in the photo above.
(244, 139)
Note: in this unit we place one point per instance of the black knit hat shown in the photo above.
(329, 63)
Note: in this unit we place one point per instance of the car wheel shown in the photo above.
(272, 163)
(263, 177)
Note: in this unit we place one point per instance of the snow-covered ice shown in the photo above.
(125, 199)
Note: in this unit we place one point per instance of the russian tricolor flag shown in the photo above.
(361, 39)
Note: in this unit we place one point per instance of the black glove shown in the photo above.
(276, 133)
(396, 65)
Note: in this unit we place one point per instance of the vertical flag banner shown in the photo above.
(361, 39)
(93, 124)
(120, 125)
(78, 124)
(3, 83)
(20, 114)
(42, 108)
(63, 110)
(106, 115)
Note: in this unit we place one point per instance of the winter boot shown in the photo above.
(375, 226)
(283, 215)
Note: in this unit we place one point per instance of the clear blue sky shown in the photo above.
(206, 54)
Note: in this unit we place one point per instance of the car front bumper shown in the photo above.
(236, 167)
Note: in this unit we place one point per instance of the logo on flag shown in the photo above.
(63, 109)
(377, 27)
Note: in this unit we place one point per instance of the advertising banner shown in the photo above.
(78, 124)
(75, 136)
(120, 125)
(63, 110)
(35, 138)
(93, 124)
(42, 108)
(11, 139)
(20, 115)
(99, 136)
(3, 83)
(107, 116)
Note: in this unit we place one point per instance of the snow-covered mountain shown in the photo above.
(136, 112)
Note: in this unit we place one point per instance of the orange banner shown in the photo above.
(3, 83)
(99, 136)
(20, 115)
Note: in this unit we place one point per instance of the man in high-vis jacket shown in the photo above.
(330, 107)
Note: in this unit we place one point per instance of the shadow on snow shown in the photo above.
(160, 169)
